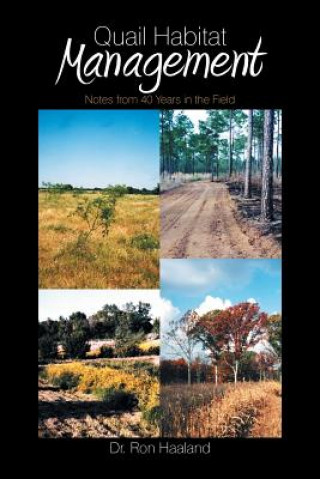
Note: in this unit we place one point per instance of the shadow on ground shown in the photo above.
(75, 409)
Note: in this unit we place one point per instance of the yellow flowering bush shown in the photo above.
(91, 378)
(95, 353)
(146, 345)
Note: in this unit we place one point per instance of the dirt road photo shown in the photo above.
(198, 220)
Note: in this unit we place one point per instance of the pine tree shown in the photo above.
(267, 169)
(247, 184)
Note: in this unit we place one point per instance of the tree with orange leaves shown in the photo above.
(236, 329)
(210, 342)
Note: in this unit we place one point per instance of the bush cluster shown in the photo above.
(89, 379)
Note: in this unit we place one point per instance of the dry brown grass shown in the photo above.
(112, 262)
(248, 410)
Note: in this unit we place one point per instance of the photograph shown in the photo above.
(221, 177)
(99, 199)
(98, 363)
(221, 348)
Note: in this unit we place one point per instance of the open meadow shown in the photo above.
(72, 256)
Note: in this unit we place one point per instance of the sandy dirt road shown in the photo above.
(198, 220)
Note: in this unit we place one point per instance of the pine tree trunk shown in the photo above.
(216, 375)
(267, 169)
(217, 172)
(170, 149)
(212, 163)
(247, 184)
(278, 133)
(230, 145)
(162, 144)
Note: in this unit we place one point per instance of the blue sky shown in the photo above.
(187, 283)
(95, 148)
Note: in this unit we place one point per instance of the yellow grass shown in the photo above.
(241, 410)
(247, 410)
(112, 261)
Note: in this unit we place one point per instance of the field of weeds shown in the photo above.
(203, 410)
(126, 257)
(78, 400)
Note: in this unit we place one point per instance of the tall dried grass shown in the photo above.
(248, 410)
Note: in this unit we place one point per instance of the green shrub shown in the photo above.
(152, 351)
(153, 415)
(117, 398)
(66, 380)
(106, 352)
(128, 351)
(144, 242)
(135, 367)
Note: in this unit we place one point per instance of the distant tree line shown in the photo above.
(252, 367)
(129, 190)
(128, 326)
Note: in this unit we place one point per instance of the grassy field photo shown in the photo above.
(98, 199)
(98, 372)
(221, 349)
(70, 256)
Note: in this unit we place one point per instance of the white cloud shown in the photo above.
(164, 309)
(251, 300)
(167, 312)
(190, 273)
(261, 347)
(196, 274)
(210, 304)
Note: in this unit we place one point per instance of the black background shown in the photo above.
(47, 40)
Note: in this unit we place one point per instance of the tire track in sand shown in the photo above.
(198, 221)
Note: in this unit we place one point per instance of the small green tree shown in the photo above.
(156, 326)
(274, 328)
(75, 344)
(47, 347)
(75, 334)
(97, 213)
(127, 342)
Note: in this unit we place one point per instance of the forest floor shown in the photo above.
(201, 220)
